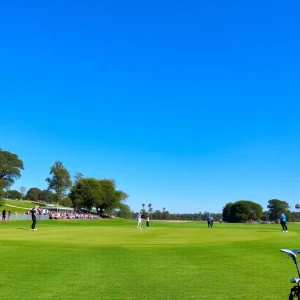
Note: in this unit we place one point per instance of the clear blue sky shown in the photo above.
(187, 104)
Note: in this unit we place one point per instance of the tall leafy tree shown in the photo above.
(124, 212)
(76, 199)
(14, 194)
(33, 194)
(78, 176)
(112, 198)
(265, 216)
(47, 196)
(101, 194)
(67, 201)
(6, 191)
(87, 192)
(227, 212)
(244, 210)
(241, 211)
(150, 209)
(276, 207)
(10, 168)
(60, 180)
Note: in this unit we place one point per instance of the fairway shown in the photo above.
(111, 259)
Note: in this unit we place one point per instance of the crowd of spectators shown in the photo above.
(78, 215)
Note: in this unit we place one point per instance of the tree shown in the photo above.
(241, 211)
(150, 209)
(10, 168)
(6, 191)
(244, 210)
(78, 176)
(47, 196)
(124, 212)
(265, 216)
(112, 198)
(75, 200)
(276, 207)
(67, 202)
(14, 194)
(22, 190)
(166, 215)
(60, 181)
(227, 212)
(101, 194)
(289, 216)
(33, 194)
(86, 192)
(157, 215)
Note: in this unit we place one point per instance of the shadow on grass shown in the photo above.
(24, 228)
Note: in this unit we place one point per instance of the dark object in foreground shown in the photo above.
(295, 291)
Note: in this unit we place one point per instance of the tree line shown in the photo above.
(103, 195)
(125, 212)
(80, 193)
(244, 210)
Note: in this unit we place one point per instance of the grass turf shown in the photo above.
(18, 206)
(111, 259)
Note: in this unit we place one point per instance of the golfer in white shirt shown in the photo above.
(139, 219)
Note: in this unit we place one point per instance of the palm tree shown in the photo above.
(150, 208)
(297, 206)
(164, 209)
(143, 207)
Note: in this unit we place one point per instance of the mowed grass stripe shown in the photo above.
(102, 234)
(113, 260)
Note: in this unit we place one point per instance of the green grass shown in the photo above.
(24, 204)
(111, 259)
(19, 206)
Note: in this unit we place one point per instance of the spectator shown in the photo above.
(9, 215)
(4, 215)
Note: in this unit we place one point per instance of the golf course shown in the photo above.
(112, 259)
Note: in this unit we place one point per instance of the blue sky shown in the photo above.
(187, 104)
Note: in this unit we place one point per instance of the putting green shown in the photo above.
(111, 259)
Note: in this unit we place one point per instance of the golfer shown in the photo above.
(139, 219)
(148, 222)
(283, 222)
(34, 213)
(208, 221)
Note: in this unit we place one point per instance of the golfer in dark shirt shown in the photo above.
(34, 213)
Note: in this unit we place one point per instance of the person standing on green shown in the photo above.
(4, 215)
(8, 215)
(34, 213)
(209, 221)
(283, 222)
